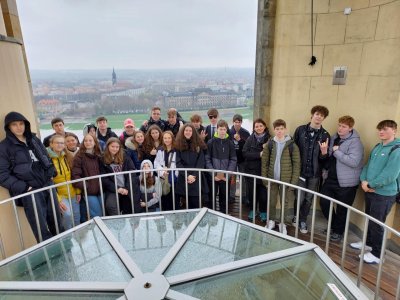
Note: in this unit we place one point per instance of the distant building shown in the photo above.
(201, 98)
(128, 93)
(114, 77)
(48, 107)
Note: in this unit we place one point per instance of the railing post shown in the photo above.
(200, 189)
(382, 257)
(240, 195)
(268, 202)
(328, 231)
(283, 196)
(86, 199)
(131, 192)
(364, 241)
(145, 189)
(173, 190)
(70, 206)
(313, 218)
(213, 189)
(54, 211)
(296, 231)
(254, 199)
(116, 194)
(227, 183)
(37, 218)
(186, 190)
(102, 196)
(21, 239)
(345, 236)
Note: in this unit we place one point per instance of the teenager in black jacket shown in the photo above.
(115, 160)
(252, 151)
(25, 166)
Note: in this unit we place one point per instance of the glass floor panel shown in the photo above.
(218, 240)
(57, 295)
(147, 239)
(82, 255)
(302, 276)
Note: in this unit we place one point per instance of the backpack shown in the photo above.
(398, 179)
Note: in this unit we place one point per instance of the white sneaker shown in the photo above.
(358, 246)
(369, 258)
(282, 229)
(270, 224)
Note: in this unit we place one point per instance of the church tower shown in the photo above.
(114, 77)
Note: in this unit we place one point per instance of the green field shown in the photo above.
(116, 121)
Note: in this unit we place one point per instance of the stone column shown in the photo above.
(15, 95)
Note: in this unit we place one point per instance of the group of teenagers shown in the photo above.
(333, 165)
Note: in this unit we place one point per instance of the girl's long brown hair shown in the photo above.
(118, 158)
(96, 148)
(196, 142)
(148, 143)
(138, 149)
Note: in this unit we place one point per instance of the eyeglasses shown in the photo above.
(59, 143)
(212, 117)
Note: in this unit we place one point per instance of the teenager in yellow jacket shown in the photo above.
(62, 163)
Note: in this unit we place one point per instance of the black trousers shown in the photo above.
(345, 195)
(44, 208)
(377, 206)
(220, 189)
(261, 194)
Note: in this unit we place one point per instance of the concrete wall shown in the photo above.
(15, 95)
(367, 41)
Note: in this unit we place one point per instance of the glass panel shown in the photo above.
(58, 295)
(301, 276)
(218, 240)
(147, 239)
(83, 255)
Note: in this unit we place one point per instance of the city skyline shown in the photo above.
(91, 35)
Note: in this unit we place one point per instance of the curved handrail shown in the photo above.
(266, 181)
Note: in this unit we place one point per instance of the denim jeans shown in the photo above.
(95, 207)
(67, 215)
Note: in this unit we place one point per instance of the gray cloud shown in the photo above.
(132, 34)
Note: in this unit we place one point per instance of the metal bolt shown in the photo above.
(147, 285)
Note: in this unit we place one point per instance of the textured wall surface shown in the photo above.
(367, 41)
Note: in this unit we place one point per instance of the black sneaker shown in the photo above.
(335, 237)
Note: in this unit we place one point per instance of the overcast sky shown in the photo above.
(138, 34)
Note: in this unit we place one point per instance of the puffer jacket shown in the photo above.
(221, 154)
(63, 175)
(289, 164)
(17, 171)
(349, 159)
(86, 165)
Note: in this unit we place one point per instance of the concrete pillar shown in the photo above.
(15, 95)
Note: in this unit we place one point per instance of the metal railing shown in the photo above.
(241, 176)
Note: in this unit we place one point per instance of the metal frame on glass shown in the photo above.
(167, 260)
